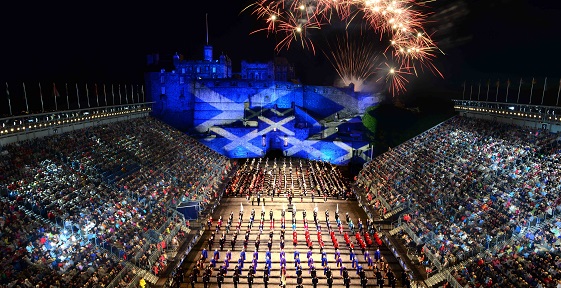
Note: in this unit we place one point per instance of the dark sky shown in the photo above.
(108, 41)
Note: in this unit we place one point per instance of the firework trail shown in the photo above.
(354, 58)
(410, 47)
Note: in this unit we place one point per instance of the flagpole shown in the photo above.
(478, 90)
(470, 91)
(132, 94)
(9, 100)
(25, 95)
(137, 94)
(96, 94)
(507, 87)
(559, 90)
(54, 92)
(78, 95)
(113, 94)
(41, 95)
(519, 86)
(532, 90)
(464, 91)
(497, 94)
(126, 94)
(543, 93)
(88, 95)
(67, 95)
(488, 84)
(144, 96)
(120, 97)
(105, 94)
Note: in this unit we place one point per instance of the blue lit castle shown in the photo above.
(259, 110)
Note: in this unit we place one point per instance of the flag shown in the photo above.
(519, 86)
(67, 95)
(497, 94)
(56, 94)
(558, 91)
(78, 95)
(544, 87)
(532, 89)
(126, 94)
(120, 97)
(105, 94)
(96, 94)
(25, 96)
(41, 95)
(88, 95)
(9, 100)
(488, 84)
(507, 86)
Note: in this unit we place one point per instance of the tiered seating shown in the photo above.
(104, 195)
(468, 185)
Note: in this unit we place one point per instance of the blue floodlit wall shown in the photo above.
(247, 118)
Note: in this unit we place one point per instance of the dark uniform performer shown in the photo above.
(249, 279)
(391, 278)
(315, 282)
(220, 279)
(299, 280)
(193, 279)
(329, 281)
(206, 279)
(363, 282)
(347, 281)
(236, 278)
(265, 278)
(313, 272)
(379, 278)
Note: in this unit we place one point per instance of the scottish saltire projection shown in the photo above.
(248, 118)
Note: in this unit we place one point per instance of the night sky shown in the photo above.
(108, 42)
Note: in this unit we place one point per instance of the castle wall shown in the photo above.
(229, 109)
(201, 104)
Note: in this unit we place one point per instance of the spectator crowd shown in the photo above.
(78, 207)
(477, 194)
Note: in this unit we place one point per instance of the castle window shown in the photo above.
(181, 79)
(183, 70)
(213, 69)
(198, 69)
(163, 90)
(162, 79)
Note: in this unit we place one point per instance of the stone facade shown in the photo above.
(259, 111)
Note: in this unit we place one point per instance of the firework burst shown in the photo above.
(412, 49)
(354, 58)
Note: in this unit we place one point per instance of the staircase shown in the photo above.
(392, 213)
(396, 230)
(436, 279)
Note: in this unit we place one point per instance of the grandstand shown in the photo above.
(470, 202)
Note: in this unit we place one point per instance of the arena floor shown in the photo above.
(234, 204)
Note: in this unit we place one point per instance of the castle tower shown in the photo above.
(207, 53)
